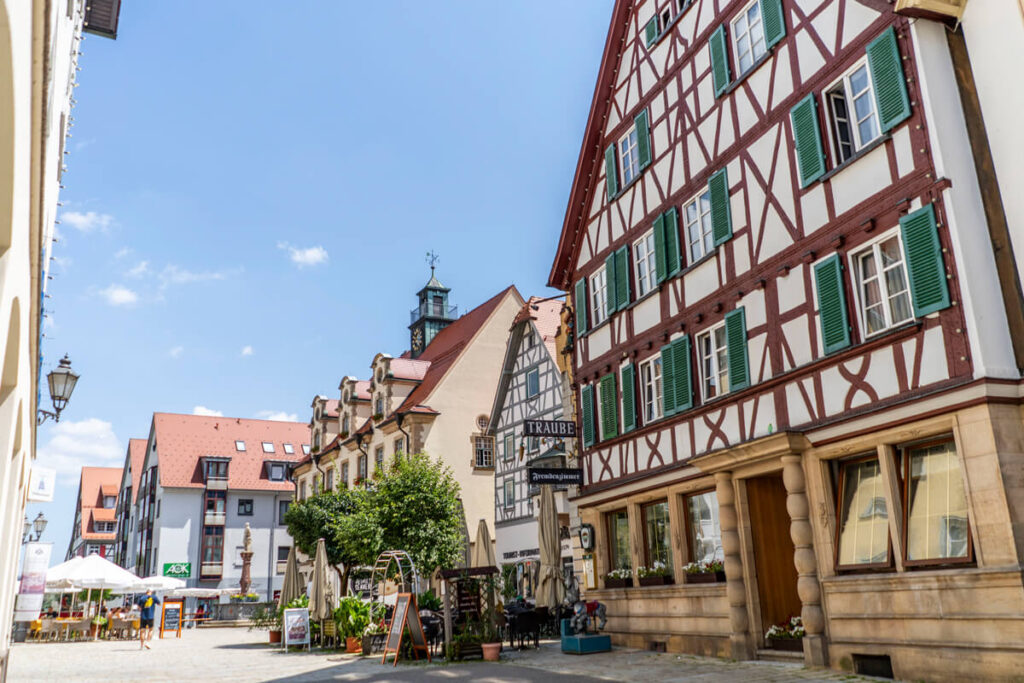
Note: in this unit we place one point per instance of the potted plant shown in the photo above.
(97, 625)
(373, 637)
(377, 417)
(711, 571)
(352, 617)
(490, 638)
(787, 635)
(657, 574)
(619, 578)
(268, 619)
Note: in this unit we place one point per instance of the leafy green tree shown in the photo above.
(319, 516)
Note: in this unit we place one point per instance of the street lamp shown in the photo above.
(62, 382)
(38, 525)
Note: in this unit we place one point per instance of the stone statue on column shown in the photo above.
(246, 580)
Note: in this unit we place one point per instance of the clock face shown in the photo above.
(417, 339)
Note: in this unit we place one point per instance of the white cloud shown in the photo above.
(87, 221)
(139, 269)
(310, 256)
(278, 415)
(116, 295)
(176, 351)
(90, 442)
(173, 275)
(247, 350)
(122, 252)
(208, 412)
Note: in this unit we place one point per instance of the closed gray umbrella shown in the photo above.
(551, 587)
(319, 593)
(483, 551)
(291, 588)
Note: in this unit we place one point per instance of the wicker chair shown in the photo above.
(328, 632)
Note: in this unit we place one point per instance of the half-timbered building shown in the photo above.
(792, 346)
(529, 388)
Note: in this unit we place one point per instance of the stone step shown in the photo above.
(769, 655)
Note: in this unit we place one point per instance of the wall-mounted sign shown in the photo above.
(558, 476)
(562, 428)
(33, 581)
(179, 570)
(42, 482)
(587, 536)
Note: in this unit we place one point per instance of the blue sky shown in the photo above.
(250, 194)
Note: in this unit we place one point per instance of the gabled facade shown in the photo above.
(201, 481)
(530, 388)
(781, 364)
(95, 527)
(129, 486)
(437, 402)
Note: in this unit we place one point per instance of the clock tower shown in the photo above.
(432, 314)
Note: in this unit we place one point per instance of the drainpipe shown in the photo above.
(316, 463)
(408, 440)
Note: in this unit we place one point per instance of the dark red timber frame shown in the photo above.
(889, 565)
(841, 234)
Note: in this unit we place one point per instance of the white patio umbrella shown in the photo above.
(201, 592)
(159, 583)
(92, 572)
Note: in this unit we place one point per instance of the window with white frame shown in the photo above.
(268, 447)
(528, 340)
(697, 226)
(748, 37)
(277, 472)
(344, 424)
(305, 449)
(853, 117)
(598, 297)
(289, 449)
(510, 440)
(713, 357)
(240, 446)
(650, 389)
(510, 493)
(399, 445)
(533, 444)
(483, 447)
(629, 156)
(532, 383)
(378, 459)
(645, 262)
(883, 298)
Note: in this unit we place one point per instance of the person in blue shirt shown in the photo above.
(147, 610)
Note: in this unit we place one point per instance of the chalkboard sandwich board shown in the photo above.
(171, 612)
(405, 616)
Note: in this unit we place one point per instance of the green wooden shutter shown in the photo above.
(835, 326)
(683, 389)
(609, 412)
(661, 261)
(581, 307)
(651, 31)
(609, 283)
(887, 77)
(622, 288)
(925, 268)
(668, 379)
(721, 216)
(736, 339)
(643, 139)
(773, 22)
(611, 171)
(719, 61)
(628, 399)
(810, 154)
(587, 417)
(671, 227)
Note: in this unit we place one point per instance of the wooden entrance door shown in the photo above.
(773, 550)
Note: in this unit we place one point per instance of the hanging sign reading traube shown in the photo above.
(556, 428)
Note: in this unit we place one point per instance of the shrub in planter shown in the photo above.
(657, 574)
(787, 635)
(373, 638)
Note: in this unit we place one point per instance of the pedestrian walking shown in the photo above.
(147, 610)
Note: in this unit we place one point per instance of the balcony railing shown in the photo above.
(433, 310)
(210, 569)
(213, 519)
(216, 483)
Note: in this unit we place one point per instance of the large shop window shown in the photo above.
(657, 546)
(618, 540)
(703, 531)
(935, 505)
(863, 515)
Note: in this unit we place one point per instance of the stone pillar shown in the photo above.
(807, 586)
(735, 590)
(246, 580)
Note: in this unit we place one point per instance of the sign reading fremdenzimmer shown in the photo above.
(179, 570)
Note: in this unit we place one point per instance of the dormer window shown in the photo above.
(344, 424)
(316, 440)
(109, 501)
(268, 447)
(277, 471)
(240, 446)
(217, 469)
(379, 409)
(289, 449)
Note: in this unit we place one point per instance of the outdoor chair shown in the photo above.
(79, 628)
(119, 628)
(328, 633)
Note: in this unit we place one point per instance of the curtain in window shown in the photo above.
(864, 518)
(937, 516)
(705, 534)
(618, 530)
(656, 527)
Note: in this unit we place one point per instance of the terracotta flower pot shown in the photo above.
(275, 636)
(491, 651)
(353, 645)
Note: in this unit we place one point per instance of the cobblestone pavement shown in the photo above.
(236, 654)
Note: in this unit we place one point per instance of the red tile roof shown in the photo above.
(136, 456)
(546, 316)
(331, 407)
(90, 498)
(183, 440)
(362, 390)
(407, 368)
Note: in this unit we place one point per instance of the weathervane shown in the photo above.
(432, 259)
